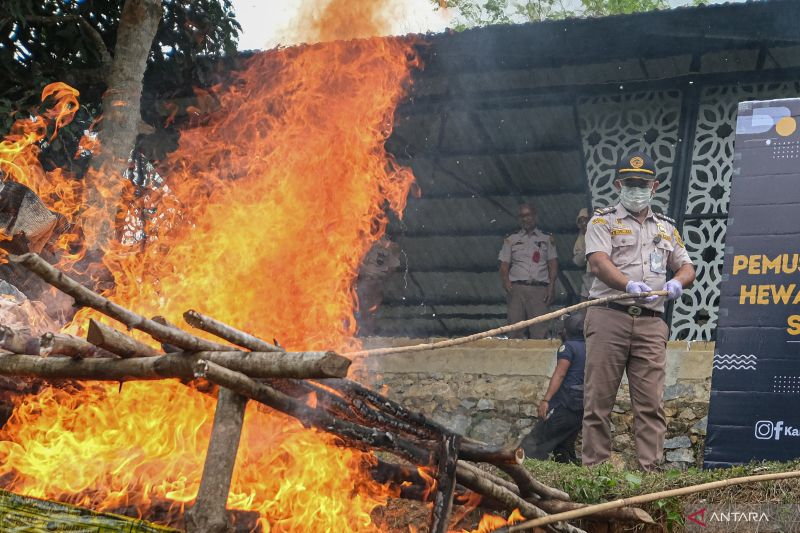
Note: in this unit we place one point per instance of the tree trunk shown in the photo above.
(121, 118)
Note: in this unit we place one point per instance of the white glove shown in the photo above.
(638, 287)
(674, 288)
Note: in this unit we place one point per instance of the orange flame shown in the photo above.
(489, 523)
(268, 207)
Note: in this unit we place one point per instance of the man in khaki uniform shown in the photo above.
(630, 248)
(579, 253)
(528, 270)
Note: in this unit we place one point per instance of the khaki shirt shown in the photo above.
(642, 252)
(528, 254)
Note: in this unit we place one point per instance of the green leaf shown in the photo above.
(635, 480)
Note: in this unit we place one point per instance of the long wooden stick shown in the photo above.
(176, 365)
(530, 486)
(230, 334)
(645, 498)
(86, 297)
(503, 329)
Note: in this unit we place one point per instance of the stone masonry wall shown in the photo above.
(490, 389)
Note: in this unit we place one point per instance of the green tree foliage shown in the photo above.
(478, 13)
(42, 41)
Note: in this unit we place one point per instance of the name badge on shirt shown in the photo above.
(657, 263)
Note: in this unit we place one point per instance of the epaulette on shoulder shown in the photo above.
(662, 216)
(604, 211)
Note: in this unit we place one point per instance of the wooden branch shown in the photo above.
(501, 330)
(230, 334)
(208, 514)
(333, 404)
(175, 365)
(529, 486)
(117, 342)
(310, 416)
(63, 344)
(168, 348)
(16, 341)
(473, 478)
(88, 298)
(645, 498)
(445, 483)
(497, 480)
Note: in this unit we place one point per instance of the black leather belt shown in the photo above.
(633, 310)
(531, 283)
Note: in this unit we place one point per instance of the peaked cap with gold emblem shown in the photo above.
(636, 165)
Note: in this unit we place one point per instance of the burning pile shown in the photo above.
(355, 415)
(267, 207)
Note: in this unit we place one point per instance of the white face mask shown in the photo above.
(635, 199)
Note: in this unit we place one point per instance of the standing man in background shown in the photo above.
(528, 271)
(630, 248)
(579, 253)
(376, 267)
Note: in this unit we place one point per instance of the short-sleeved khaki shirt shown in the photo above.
(642, 252)
(528, 254)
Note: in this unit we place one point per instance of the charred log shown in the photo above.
(445, 483)
(421, 425)
(310, 416)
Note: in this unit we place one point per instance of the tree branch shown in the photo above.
(175, 365)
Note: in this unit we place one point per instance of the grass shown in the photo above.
(605, 483)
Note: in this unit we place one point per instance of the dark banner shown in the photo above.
(755, 386)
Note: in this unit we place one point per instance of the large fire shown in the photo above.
(268, 206)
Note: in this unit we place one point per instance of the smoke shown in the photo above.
(322, 21)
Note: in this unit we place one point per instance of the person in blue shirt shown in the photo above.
(561, 409)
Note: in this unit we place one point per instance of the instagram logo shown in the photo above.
(764, 429)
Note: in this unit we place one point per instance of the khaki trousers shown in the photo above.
(524, 302)
(617, 342)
